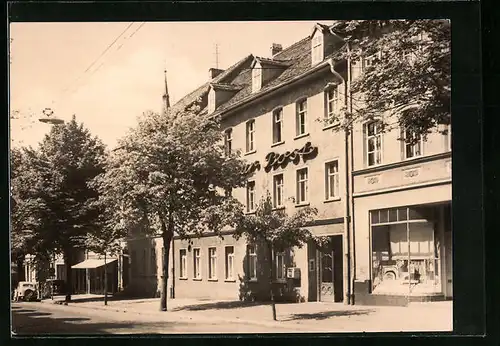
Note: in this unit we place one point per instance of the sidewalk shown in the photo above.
(303, 317)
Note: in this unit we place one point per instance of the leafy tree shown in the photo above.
(169, 176)
(275, 230)
(54, 193)
(410, 73)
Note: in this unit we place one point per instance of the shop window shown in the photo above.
(252, 262)
(183, 264)
(250, 196)
(332, 180)
(278, 125)
(301, 118)
(373, 143)
(229, 262)
(302, 182)
(212, 263)
(197, 263)
(278, 190)
(405, 255)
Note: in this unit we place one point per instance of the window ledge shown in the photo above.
(301, 136)
(336, 199)
(197, 279)
(277, 143)
(230, 280)
(250, 212)
(184, 279)
(252, 280)
(213, 279)
(250, 152)
(279, 208)
(304, 204)
(331, 126)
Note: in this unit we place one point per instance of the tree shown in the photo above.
(410, 73)
(169, 176)
(275, 230)
(53, 187)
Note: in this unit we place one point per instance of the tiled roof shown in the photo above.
(225, 86)
(295, 60)
(192, 97)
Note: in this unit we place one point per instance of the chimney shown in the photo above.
(214, 72)
(276, 48)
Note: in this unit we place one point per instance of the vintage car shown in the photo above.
(26, 291)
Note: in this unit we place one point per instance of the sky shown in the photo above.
(75, 68)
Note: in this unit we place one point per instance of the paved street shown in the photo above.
(44, 319)
(190, 317)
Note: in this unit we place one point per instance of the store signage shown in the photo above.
(275, 160)
(251, 167)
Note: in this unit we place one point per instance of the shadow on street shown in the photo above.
(28, 323)
(219, 305)
(327, 314)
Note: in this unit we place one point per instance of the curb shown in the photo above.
(183, 316)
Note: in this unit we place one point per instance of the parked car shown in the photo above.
(53, 287)
(26, 291)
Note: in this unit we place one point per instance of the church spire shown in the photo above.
(166, 97)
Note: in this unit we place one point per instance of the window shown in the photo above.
(229, 262)
(212, 263)
(414, 147)
(302, 185)
(368, 61)
(332, 104)
(250, 135)
(196, 264)
(153, 266)
(183, 264)
(256, 78)
(278, 190)
(228, 141)
(211, 101)
(252, 262)
(277, 125)
(280, 266)
(373, 143)
(317, 49)
(301, 117)
(250, 196)
(332, 180)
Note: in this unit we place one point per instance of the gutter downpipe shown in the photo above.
(351, 178)
(347, 219)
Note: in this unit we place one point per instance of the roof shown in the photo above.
(293, 62)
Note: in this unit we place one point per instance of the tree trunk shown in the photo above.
(167, 235)
(69, 277)
(271, 266)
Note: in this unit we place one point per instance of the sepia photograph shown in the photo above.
(175, 177)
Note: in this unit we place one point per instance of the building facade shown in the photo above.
(384, 205)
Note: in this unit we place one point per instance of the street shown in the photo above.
(43, 319)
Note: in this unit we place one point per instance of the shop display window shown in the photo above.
(405, 245)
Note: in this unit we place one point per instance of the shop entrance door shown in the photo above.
(331, 269)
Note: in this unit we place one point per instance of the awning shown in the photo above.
(92, 263)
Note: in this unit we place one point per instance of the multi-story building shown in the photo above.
(379, 202)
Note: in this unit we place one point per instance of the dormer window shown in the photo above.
(256, 78)
(317, 48)
(211, 101)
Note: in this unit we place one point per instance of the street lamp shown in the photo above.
(49, 119)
